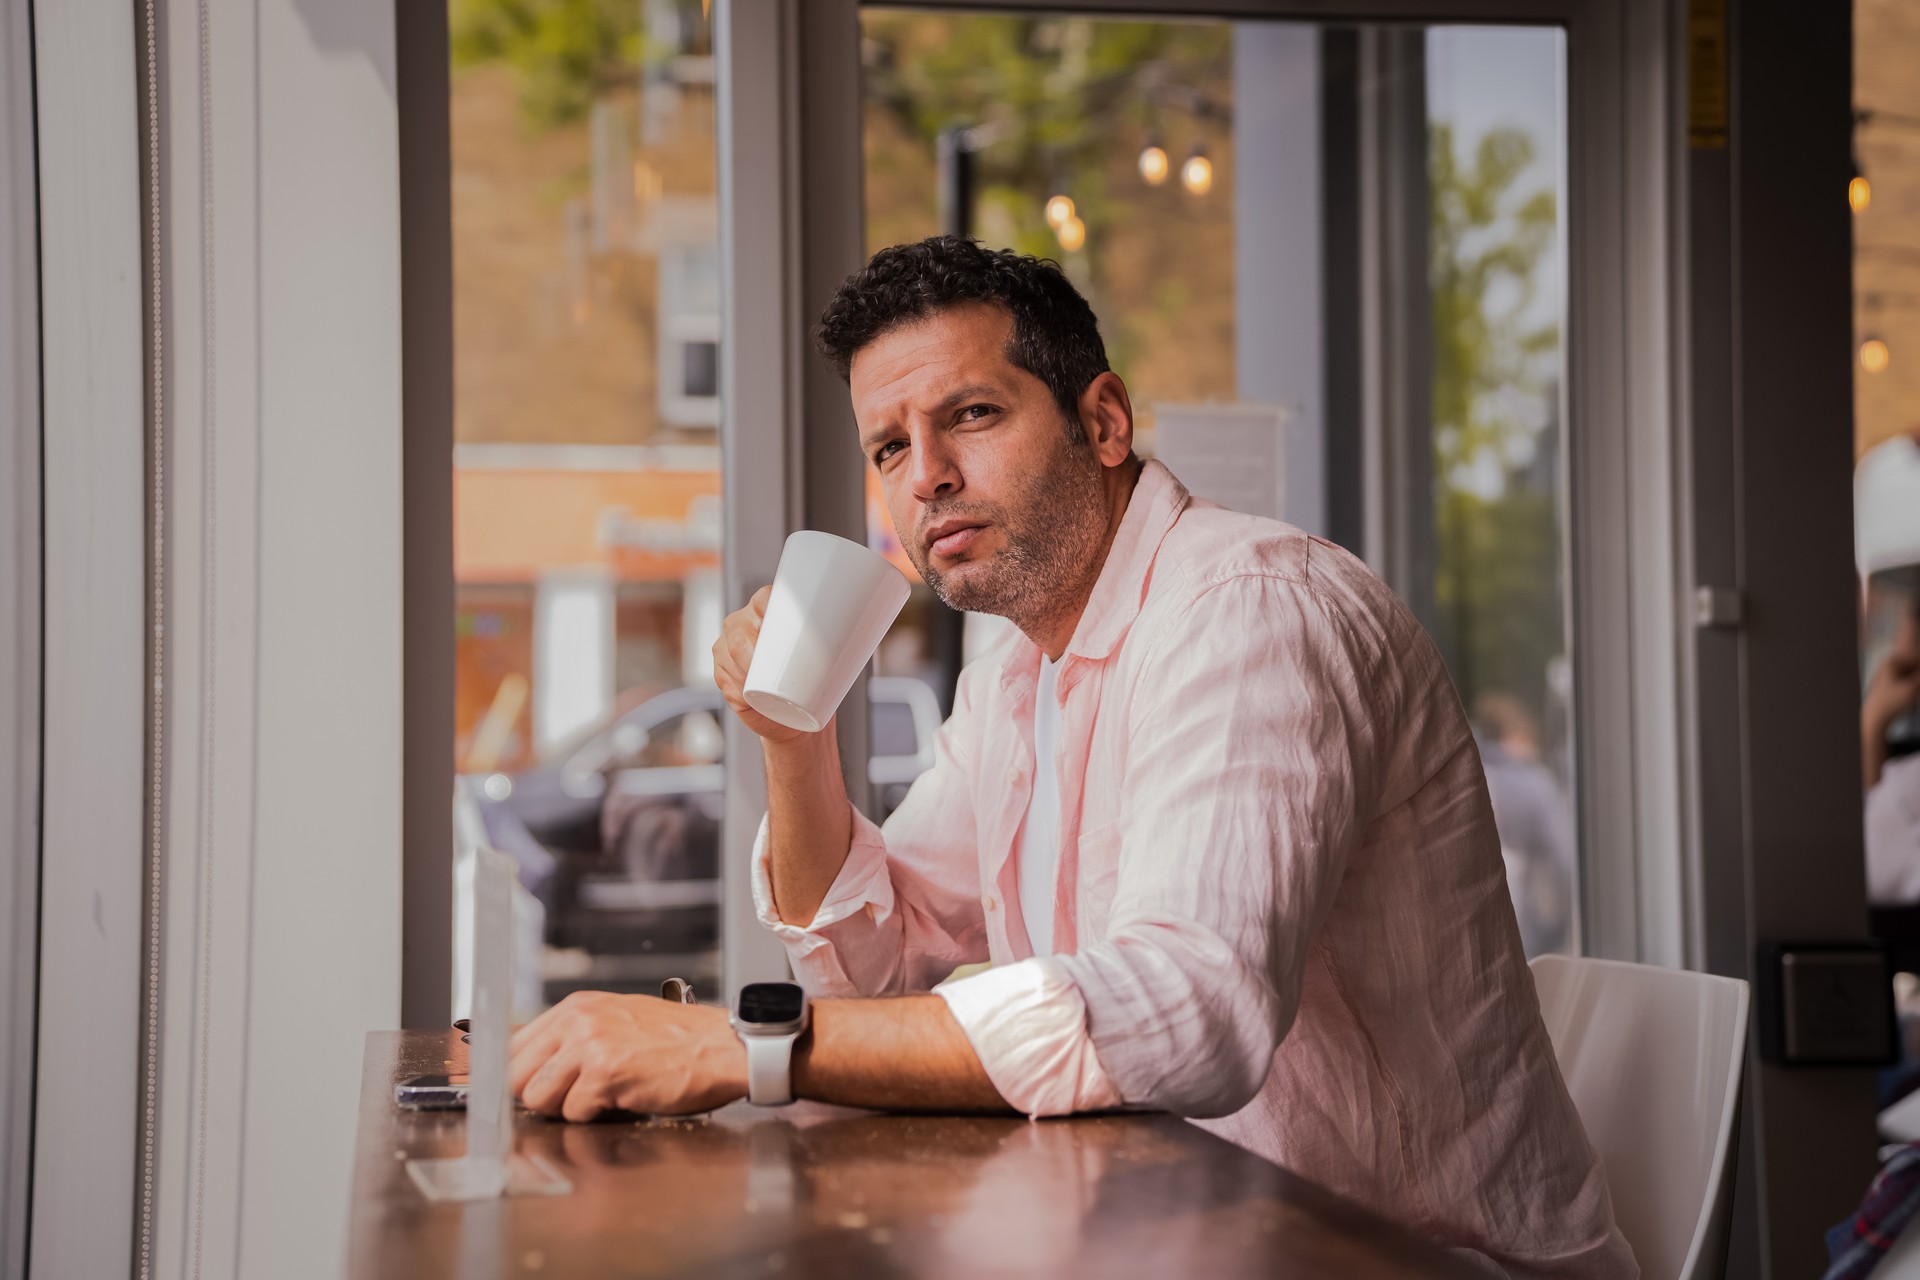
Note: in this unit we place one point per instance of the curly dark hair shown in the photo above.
(1055, 335)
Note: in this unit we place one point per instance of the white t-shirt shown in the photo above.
(1039, 856)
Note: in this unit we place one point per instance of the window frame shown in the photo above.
(20, 623)
(94, 836)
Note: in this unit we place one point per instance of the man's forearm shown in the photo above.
(809, 822)
(901, 1054)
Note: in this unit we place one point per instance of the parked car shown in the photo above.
(630, 814)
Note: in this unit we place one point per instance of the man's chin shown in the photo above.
(966, 585)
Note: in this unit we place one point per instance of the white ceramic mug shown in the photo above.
(832, 602)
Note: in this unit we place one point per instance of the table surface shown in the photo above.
(811, 1190)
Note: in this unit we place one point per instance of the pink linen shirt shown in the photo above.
(1281, 908)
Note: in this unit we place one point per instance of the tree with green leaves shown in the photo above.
(1056, 105)
(567, 52)
(1497, 506)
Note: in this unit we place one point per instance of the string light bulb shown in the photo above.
(1059, 211)
(1154, 165)
(1072, 234)
(1196, 175)
(1859, 193)
(1874, 356)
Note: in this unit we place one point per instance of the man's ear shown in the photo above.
(1107, 414)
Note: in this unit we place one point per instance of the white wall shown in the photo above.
(327, 901)
(283, 865)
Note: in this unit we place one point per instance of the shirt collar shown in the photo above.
(1157, 501)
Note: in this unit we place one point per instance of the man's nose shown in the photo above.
(934, 472)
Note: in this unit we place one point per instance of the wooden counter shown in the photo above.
(815, 1191)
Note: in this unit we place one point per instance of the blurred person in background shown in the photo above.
(1535, 820)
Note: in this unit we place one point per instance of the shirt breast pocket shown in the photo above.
(1099, 875)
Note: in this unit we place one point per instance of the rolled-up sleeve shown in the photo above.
(1027, 1024)
(904, 911)
(1250, 750)
(819, 952)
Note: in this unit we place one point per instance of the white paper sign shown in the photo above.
(1232, 454)
(489, 1168)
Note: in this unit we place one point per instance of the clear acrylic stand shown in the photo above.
(489, 1168)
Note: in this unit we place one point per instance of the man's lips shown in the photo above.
(952, 537)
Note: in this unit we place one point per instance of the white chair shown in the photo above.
(1653, 1059)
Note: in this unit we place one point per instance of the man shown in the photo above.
(1214, 815)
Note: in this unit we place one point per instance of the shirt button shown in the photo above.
(1015, 774)
(989, 902)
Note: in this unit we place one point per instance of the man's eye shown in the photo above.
(974, 412)
(887, 450)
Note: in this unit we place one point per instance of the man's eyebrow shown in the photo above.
(972, 391)
(947, 403)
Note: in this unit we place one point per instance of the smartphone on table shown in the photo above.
(432, 1093)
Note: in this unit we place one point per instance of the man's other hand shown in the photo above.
(596, 1052)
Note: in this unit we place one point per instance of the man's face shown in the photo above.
(996, 497)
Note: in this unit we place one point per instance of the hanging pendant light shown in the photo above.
(1196, 175)
(1154, 165)
(1875, 356)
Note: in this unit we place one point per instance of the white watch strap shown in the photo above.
(770, 1069)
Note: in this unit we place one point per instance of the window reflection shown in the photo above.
(1884, 195)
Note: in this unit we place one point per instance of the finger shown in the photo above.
(584, 1100)
(529, 1059)
(742, 628)
(527, 1032)
(726, 660)
(759, 601)
(740, 651)
(546, 1090)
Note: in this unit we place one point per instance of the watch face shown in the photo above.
(770, 1003)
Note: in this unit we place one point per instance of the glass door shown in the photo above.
(1348, 238)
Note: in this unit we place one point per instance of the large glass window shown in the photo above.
(1329, 264)
(587, 478)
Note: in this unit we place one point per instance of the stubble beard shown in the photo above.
(1053, 533)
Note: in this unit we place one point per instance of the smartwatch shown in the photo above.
(769, 1017)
